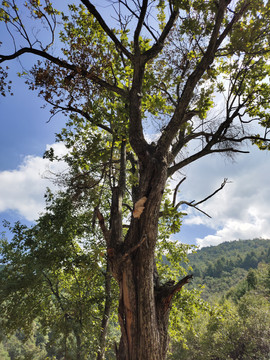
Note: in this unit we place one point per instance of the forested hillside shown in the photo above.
(234, 322)
(235, 327)
(230, 321)
(220, 267)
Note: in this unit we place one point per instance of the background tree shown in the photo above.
(50, 278)
(153, 63)
(237, 326)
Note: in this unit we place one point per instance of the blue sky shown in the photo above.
(240, 210)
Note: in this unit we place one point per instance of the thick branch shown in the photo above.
(166, 292)
(157, 47)
(66, 65)
(105, 231)
(122, 174)
(236, 17)
(136, 136)
(139, 26)
(176, 189)
(250, 137)
(178, 286)
(55, 292)
(106, 314)
(91, 8)
(117, 200)
(199, 155)
(214, 193)
(137, 139)
(182, 139)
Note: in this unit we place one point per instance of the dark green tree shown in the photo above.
(251, 279)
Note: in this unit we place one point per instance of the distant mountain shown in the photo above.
(220, 267)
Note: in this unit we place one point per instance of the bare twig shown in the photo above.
(195, 204)
(176, 189)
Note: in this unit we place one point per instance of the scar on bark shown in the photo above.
(139, 207)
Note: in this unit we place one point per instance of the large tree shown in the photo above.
(138, 80)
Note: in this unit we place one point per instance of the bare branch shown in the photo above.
(81, 112)
(179, 115)
(21, 27)
(176, 189)
(195, 205)
(214, 193)
(134, 14)
(201, 154)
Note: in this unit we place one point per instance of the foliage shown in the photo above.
(55, 272)
(237, 325)
(236, 328)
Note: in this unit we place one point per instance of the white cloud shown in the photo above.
(22, 190)
(241, 209)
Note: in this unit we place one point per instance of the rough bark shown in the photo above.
(143, 306)
(77, 330)
(106, 315)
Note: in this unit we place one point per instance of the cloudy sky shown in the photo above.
(240, 211)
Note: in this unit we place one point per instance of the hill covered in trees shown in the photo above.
(220, 267)
(235, 326)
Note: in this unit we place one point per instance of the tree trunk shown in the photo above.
(143, 313)
(106, 315)
(144, 305)
(77, 334)
(144, 309)
(138, 316)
